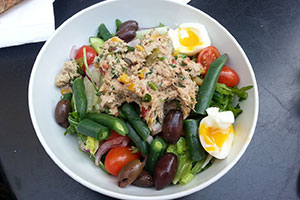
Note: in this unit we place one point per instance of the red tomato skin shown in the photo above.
(117, 157)
(227, 76)
(113, 135)
(207, 55)
(90, 55)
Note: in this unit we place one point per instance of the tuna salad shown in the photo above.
(152, 107)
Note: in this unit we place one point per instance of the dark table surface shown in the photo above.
(268, 31)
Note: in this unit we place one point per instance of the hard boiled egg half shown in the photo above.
(189, 38)
(216, 132)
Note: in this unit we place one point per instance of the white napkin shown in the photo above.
(29, 21)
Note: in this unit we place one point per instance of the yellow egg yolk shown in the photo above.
(214, 137)
(188, 38)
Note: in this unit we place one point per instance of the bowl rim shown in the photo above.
(126, 196)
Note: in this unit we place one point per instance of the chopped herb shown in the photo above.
(161, 25)
(129, 48)
(162, 58)
(182, 55)
(182, 78)
(70, 130)
(99, 94)
(180, 84)
(160, 84)
(183, 64)
(107, 110)
(161, 100)
(194, 58)
(114, 73)
(147, 98)
(80, 70)
(134, 149)
(150, 72)
(118, 24)
(150, 41)
(124, 69)
(152, 85)
(113, 87)
(173, 66)
(117, 59)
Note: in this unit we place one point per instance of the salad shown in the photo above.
(152, 106)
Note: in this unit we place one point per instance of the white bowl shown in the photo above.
(43, 95)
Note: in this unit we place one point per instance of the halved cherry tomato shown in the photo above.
(90, 55)
(113, 135)
(208, 55)
(228, 76)
(117, 157)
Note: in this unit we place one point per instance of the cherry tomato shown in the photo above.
(113, 135)
(208, 55)
(228, 76)
(90, 55)
(117, 157)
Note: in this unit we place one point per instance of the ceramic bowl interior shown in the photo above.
(43, 95)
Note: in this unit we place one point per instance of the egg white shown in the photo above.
(222, 120)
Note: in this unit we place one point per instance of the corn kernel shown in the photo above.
(139, 47)
(142, 73)
(65, 91)
(131, 87)
(115, 39)
(124, 78)
(175, 53)
(150, 120)
(198, 80)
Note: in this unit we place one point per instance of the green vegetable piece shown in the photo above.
(109, 121)
(88, 69)
(121, 114)
(157, 149)
(101, 165)
(197, 168)
(67, 96)
(190, 127)
(183, 162)
(93, 129)
(152, 57)
(152, 85)
(79, 97)
(208, 86)
(96, 43)
(129, 48)
(186, 178)
(162, 58)
(147, 98)
(118, 24)
(134, 119)
(181, 145)
(103, 32)
(224, 98)
(141, 145)
(161, 25)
